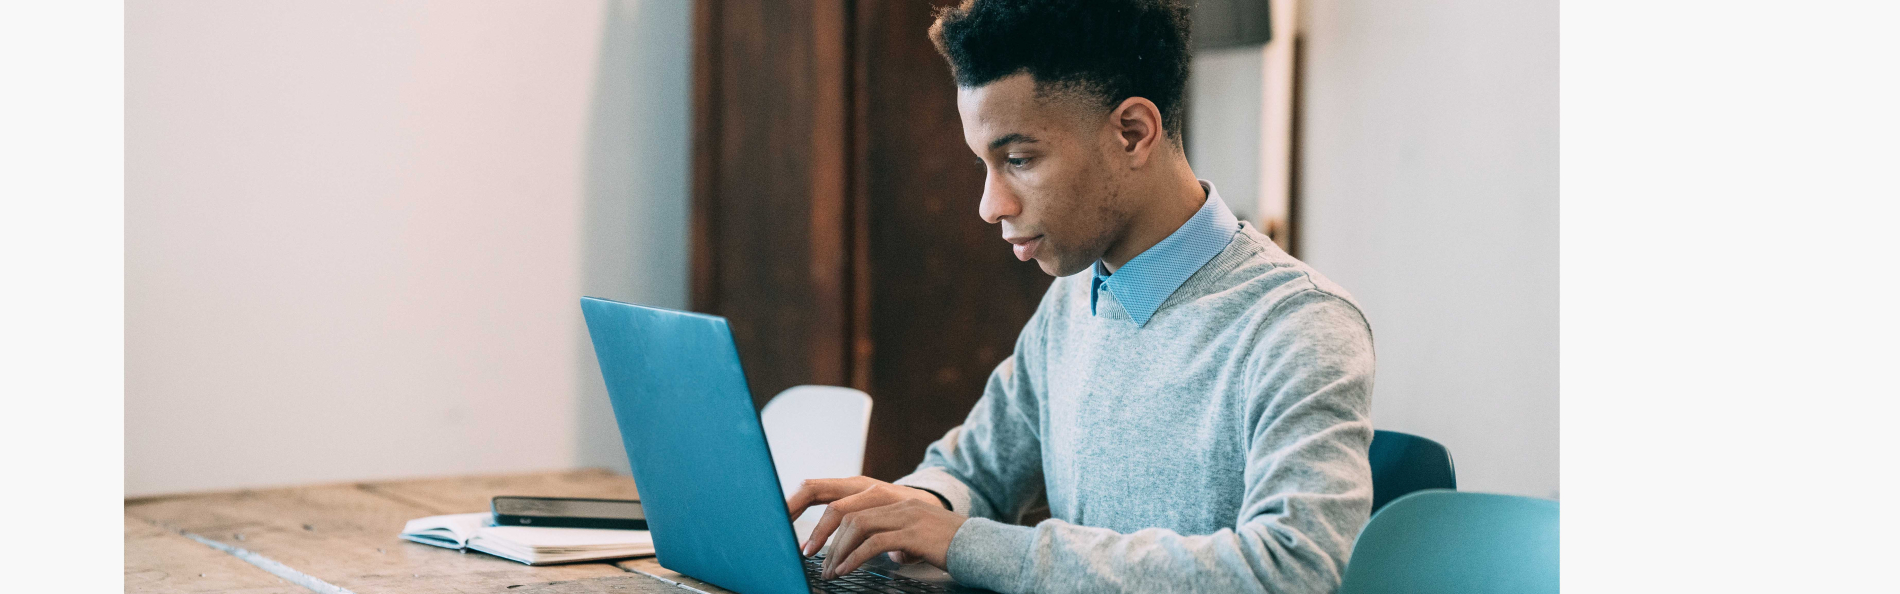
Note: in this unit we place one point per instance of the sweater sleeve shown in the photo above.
(991, 465)
(1308, 485)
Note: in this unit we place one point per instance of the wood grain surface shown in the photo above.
(159, 560)
(342, 538)
(624, 583)
(651, 567)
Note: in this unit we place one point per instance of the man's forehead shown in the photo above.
(1008, 109)
(995, 106)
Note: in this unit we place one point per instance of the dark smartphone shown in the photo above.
(562, 512)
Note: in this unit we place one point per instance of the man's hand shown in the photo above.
(868, 517)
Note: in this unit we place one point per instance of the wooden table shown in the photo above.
(342, 538)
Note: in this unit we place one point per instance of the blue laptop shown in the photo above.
(700, 459)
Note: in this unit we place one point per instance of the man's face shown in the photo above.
(1050, 183)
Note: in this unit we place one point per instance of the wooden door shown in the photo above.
(834, 219)
(947, 298)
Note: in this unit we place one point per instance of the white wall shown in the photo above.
(1240, 117)
(357, 231)
(1429, 189)
(1224, 113)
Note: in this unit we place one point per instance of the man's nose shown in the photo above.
(997, 202)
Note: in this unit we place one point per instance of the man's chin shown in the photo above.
(1055, 266)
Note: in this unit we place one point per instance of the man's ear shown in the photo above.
(1137, 126)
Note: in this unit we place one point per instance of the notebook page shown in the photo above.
(568, 538)
(452, 531)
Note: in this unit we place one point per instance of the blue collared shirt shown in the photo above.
(1146, 281)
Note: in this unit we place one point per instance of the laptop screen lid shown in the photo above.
(698, 453)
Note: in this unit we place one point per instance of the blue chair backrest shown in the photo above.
(1404, 463)
(1446, 542)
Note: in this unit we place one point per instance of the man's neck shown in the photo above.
(1173, 201)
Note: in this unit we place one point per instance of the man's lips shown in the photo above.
(1025, 247)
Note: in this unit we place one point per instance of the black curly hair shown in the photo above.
(1106, 49)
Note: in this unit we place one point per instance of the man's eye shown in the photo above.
(1017, 162)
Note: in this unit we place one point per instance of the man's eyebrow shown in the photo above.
(1011, 138)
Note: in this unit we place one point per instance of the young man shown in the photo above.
(1189, 402)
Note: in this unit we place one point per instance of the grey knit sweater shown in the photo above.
(1221, 447)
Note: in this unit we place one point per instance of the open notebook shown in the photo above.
(527, 544)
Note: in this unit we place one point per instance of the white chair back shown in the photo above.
(816, 432)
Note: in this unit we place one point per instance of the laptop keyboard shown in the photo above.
(862, 581)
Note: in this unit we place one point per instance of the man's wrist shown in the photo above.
(944, 501)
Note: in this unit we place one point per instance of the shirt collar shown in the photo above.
(1146, 281)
